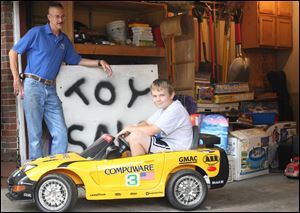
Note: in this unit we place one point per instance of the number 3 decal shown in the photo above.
(132, 179)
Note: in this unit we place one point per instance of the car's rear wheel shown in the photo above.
(186, 190)
(56, 193)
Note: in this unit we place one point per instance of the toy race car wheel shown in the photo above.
(186, 190)
(56, 193)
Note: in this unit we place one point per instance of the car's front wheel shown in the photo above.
(186, 189)
(56, 193)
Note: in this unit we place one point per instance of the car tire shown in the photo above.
(186, 190)
(55, 193)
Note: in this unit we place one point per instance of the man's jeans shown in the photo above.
(41, 102)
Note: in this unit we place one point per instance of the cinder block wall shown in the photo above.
(8, 101)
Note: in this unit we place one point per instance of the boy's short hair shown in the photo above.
(55, 4)
(159, 84)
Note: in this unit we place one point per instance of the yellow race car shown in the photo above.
(105, 172)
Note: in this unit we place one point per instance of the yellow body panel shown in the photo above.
(130, 177)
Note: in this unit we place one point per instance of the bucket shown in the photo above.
(116, 31)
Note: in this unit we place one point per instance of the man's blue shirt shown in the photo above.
(46, 52)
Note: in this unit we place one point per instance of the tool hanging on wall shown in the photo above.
(216, 66)
(226, 44)
(239, 68)
(212, 45)
(204, 67)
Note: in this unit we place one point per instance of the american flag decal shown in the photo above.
(146, 175)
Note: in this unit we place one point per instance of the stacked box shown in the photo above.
(279, 133)
(231, 87)
(234, 97)
(249, 148)
(258, 113)
(227, 107)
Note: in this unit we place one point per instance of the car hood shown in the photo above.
(59, 157)
(52, 162)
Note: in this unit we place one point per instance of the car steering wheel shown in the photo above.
(123, 144)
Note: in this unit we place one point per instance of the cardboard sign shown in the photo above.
(95, 104)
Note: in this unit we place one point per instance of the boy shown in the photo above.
(168, 129)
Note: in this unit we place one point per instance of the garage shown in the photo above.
(233, 66)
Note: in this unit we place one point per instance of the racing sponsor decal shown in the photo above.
(27, 195)
(129, 169)
(107, 137)
(132, 179)
(217, 182)
(211, 168)
(152, 193)
(66, 156)
(211, 159)
(188, 159)
(98, 194)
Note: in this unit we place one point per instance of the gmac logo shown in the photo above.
(188, 159)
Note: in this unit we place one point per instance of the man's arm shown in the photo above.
(13, 61)
(96, 63)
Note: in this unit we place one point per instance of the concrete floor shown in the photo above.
(268, 193)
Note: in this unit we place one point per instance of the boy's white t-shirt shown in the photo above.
(175, 124)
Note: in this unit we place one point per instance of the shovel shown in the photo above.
(204, 67)
(226, 45)
(239, 68)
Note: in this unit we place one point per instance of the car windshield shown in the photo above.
(98, 148)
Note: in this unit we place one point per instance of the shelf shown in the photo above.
(119, 50)
(131, 6)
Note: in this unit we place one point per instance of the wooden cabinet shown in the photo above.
(285, 8)
(178, 33)
(96, 14)
(268, 7)
(267, 24)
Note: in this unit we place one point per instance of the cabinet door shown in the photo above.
(285, 8)
(184, 66)
(284, 32)
(268, 7)
(267, 36)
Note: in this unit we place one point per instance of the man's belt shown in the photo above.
(38, 78)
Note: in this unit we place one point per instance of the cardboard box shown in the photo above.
(234, 97)
(231, 87)
(227, 107)
(231, 168)
(249, 148)
(279, 133)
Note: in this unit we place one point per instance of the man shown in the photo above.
(47, 47)
(168, 129)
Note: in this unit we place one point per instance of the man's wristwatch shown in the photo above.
(99, 64)
(21, 76)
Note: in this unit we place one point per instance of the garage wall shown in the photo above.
(289, 62)
(8, 100)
